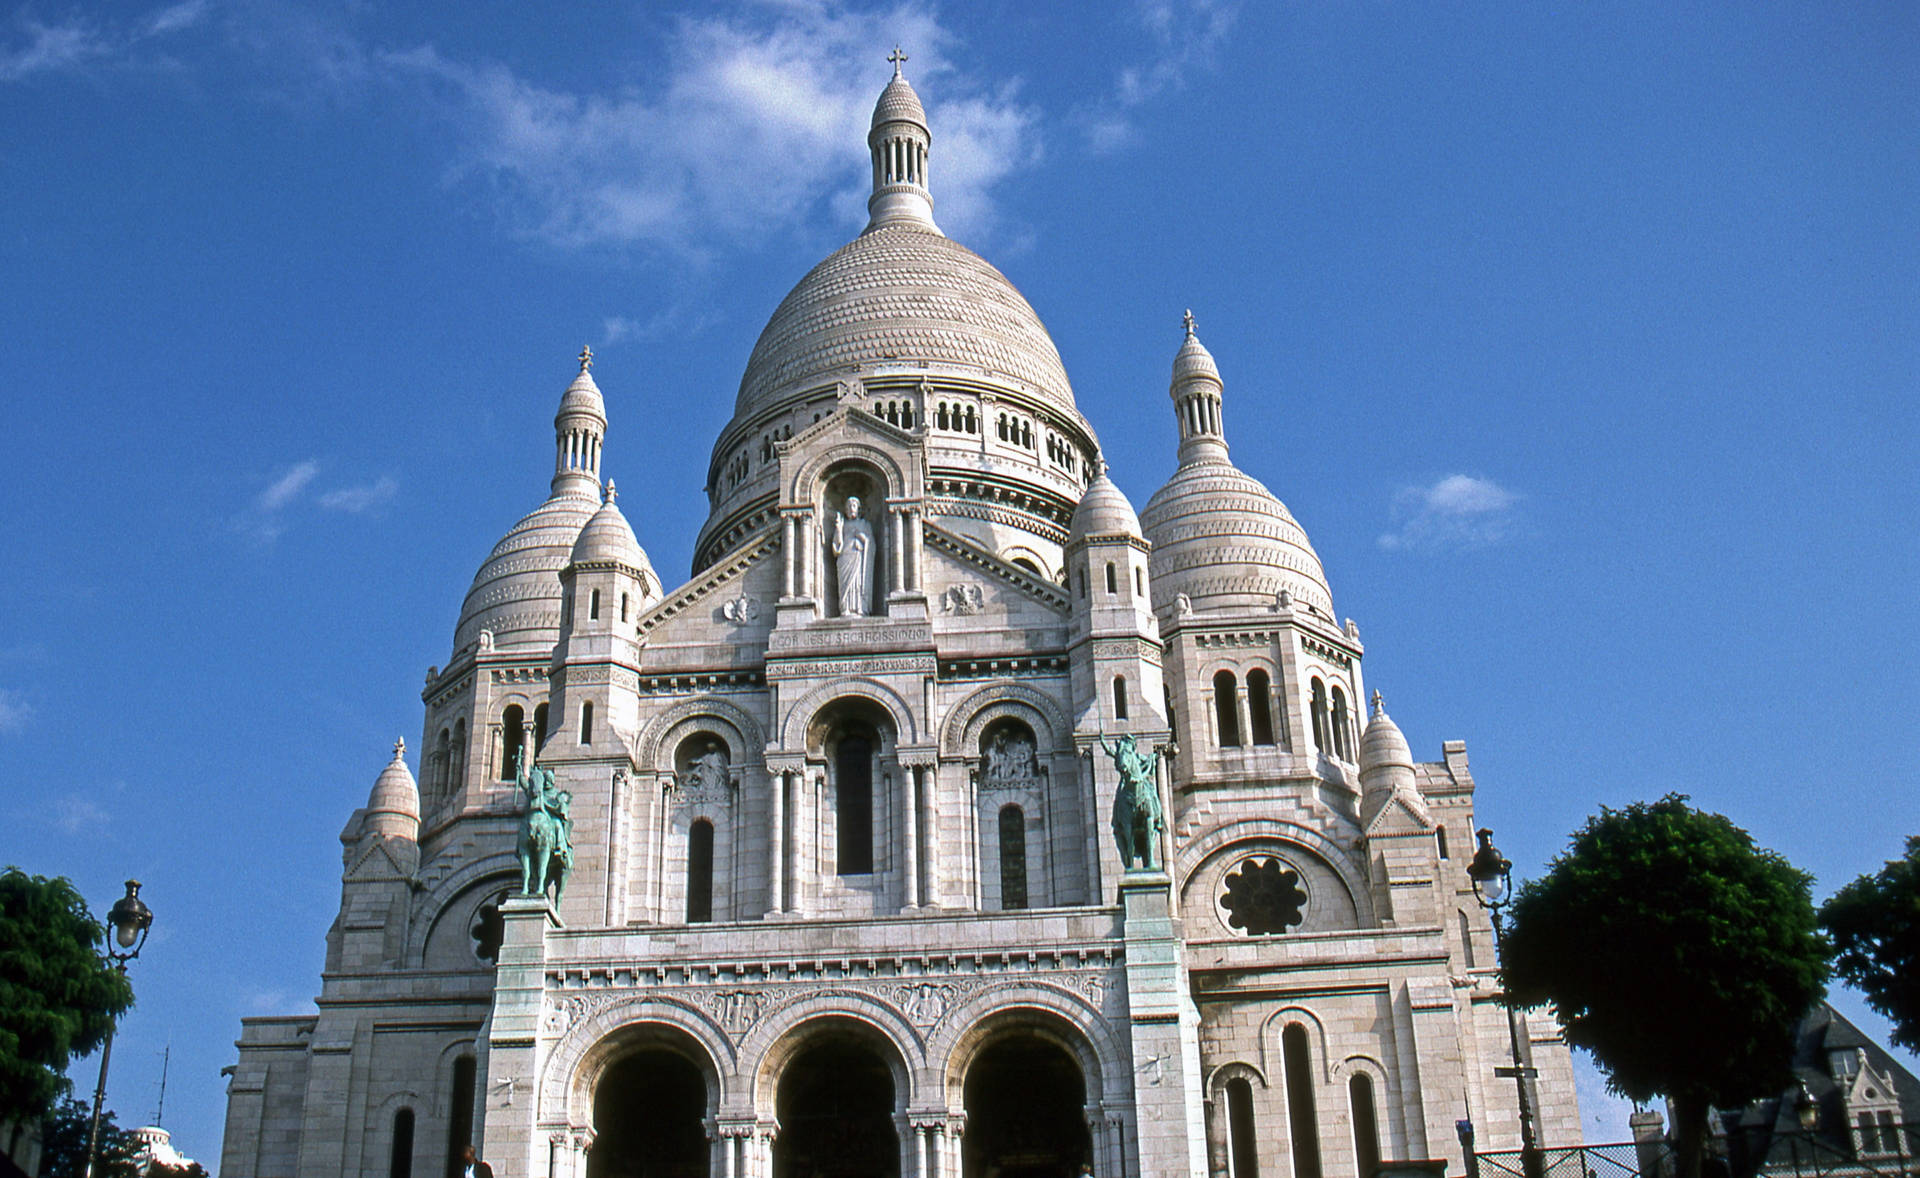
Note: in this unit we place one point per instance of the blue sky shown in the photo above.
(1581, 339)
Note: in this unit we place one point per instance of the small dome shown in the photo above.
(1103, 511)
(1221, 537)
(516, 593)
(1383, 745)
(583, 396)
(394, 792)
(898, 103)
(609, 538)
(1193, 359)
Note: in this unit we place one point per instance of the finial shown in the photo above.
(1379, 705)
(1187, 322)
(586, 358)
(611, 493)
(896, 57)
(400, 749)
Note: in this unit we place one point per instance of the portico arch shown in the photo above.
(1025, 1085)
(839, 1087)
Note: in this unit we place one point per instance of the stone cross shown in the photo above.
(1378, 703)
(896, 57)
(400, 748)
(1187, 321)
(586, 358)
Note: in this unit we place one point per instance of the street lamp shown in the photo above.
(127, 924)
(1492, 879)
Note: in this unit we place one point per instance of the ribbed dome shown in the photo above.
(394, 791)
(516, 593)
(583, 396)
(1103, 511)
(906, 295)
(898, 102)
(1193, 360)
(1382, 744)
(1222, 538)
(609, 537)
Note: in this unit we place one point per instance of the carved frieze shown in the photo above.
(963, 599)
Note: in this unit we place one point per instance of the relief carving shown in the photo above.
(741, 611)
(963, 599)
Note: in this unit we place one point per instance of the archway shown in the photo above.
(1026, 1116)
(836, 1104)
(647, 1113)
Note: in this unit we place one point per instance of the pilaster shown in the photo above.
(1163, 1025)
(513, 1061)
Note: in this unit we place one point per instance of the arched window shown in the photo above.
(539, 729)
(1243, 1158)
(1013, 857)
(1139, 581)
(459, 776)
(442, 762)
(1303, 1128)
(1226, 709)
(1083, 583)
(623, 607)
(513, 738)
(1440, 840)
(1113, 585)
(700, 872)
(593, 606)
(586, 722)
(853, 804)
(1366, 1127)
(460, 1123)
(1119, 697)
(1466, 939)
(1173, 720)
(566, 608)
(1342, 737)
(1259, 706)
(1320, 741)
(400, 1163)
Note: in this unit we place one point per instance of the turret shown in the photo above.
(1386, 768)
(1106, 559)
(1198, 398)
(393, 808)
(579, 430)
(898, 142)
(606, 585)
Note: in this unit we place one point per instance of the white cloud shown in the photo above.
(1185, 35)
(15, 711)
(76, 815)
(362, 497)
(757, 123)
(52, 48)
(674, 321)
(1458, 511)
(288, 486)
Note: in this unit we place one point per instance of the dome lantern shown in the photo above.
(1198, 397)
(579, 430)
(898, 142)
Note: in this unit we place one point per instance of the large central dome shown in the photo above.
(902, 293)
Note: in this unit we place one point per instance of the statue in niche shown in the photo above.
(1137, 820)
(707, 772)
(1010, 759)
(853, 560)
(545, 845)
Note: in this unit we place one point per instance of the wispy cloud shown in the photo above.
(758, 122)
(1185, 34)
(1458, 511)
(75, 815)
(15, 711)
(361, 497)
(677, 320)
(287, 487)
(36, 48)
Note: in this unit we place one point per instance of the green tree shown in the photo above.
(1677, 952)
(1875, 925)
(57, 997)
(63, 1141)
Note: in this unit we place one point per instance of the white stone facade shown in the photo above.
(844, 897)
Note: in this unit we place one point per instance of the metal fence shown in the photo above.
(1864, 1151)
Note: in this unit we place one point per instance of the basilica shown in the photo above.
(950, 818)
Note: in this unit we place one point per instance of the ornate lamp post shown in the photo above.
(127, 924)
(1493, 886)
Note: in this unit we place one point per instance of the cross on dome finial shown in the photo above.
(1379, 704)
(1186, 321)
(611, 493)
(400, 749)
(586, 357)
(896, 57)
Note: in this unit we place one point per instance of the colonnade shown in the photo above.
(796, 860)
(804, 544)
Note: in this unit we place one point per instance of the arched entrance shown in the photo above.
(647, 1113)
(1025, 1110)
(836, 1103)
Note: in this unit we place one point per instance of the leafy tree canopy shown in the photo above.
(1875, 925)
(63, 1143)
(1677, 952)
(57, 997)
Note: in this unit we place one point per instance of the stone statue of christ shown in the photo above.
(853, 560)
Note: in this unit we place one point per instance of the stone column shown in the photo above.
(790, 554)
(909, 836)
(776, 839)
(915, 544)
(896, 536)
(761, 1152)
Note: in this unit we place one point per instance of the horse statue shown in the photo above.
(545, 845)
(1137, 820)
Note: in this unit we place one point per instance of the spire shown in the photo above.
(579, 429)
(1197, 394)
(898, 141)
